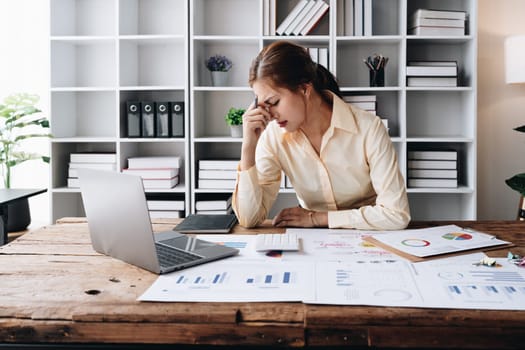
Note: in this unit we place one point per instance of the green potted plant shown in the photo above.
(517, 183)
(234, 120)
(219, 66)
(19, 120)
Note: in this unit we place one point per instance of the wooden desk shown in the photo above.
(54, 289)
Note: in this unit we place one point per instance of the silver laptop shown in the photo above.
(120, 226)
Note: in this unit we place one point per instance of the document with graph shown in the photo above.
(428, 242)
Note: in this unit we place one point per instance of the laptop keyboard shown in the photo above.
(171, 256)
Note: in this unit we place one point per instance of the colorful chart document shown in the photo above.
(436, 240)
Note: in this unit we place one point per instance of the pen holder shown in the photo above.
(377, 77)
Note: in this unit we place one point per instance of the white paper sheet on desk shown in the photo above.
(445, 283)
(235, 281)
(437, 240)
(335, 245)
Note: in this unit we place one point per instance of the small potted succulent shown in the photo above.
(219, 66)
(234, 120)
(517, 183)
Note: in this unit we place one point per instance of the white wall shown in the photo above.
(501, 107)
(24, 67)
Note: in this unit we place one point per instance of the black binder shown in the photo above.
(148, 119)
(163, 120)
(177, 119)
(133, 119)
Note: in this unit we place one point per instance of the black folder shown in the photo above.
(203, 223)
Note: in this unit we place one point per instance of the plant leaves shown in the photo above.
(517, 183)
(520, 128)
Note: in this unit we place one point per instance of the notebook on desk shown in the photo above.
(120, 226)
(203, 223)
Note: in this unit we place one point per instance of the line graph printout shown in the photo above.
(229, 281)
(437, 240)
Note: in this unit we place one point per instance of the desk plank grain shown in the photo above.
(57, 290)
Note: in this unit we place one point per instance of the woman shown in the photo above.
(339, 159)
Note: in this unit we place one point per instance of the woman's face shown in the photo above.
(286, 107)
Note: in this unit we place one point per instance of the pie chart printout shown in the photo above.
(457, 236)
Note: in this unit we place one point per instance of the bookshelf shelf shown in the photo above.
(107, 52)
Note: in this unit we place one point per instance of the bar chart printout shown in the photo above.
(230, 282)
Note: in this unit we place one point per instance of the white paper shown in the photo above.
(437, 240)
(235, 281)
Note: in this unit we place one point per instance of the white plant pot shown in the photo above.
(236, 130)
(219, 78)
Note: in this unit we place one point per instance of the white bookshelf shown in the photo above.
(104, 53)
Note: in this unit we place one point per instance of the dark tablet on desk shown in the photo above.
(203, 223)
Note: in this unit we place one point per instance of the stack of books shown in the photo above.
(303, 18)
(432, 169)
(432, 73)
(437, 22)
(160, 172)
(364, 102)
(355, 17)
(90, 160)
(217, 173)
(214, 203)
(319, 55)
(160, 207)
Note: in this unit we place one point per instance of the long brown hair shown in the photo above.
(289, 65)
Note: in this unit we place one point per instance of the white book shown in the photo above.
(433, 155)
(218, 164)
(165, 214)
(323, 57)
(367, 17)
(432, 183)
(161, 204)
(216, 184)
(98, 166)
(358, 17)
(432, 81)
(160, 183)
(73, 172)
(349, 18)
(302, 14)
(154, 162)
(93, 157)
(432, 164)
(153, 173)
(217, 174)
(433, 173)
(215, 212)
(433, 63)
(385, 122)
(432, 71)
(367, 106)
(436, 22)
(293, 13)
(428, 13)
(214, 204)
(314, 54)
(317, 4)
(73, 182)
(436, 31)
(315, 19)
(360, 98)
(272, 16)
(266, 17)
